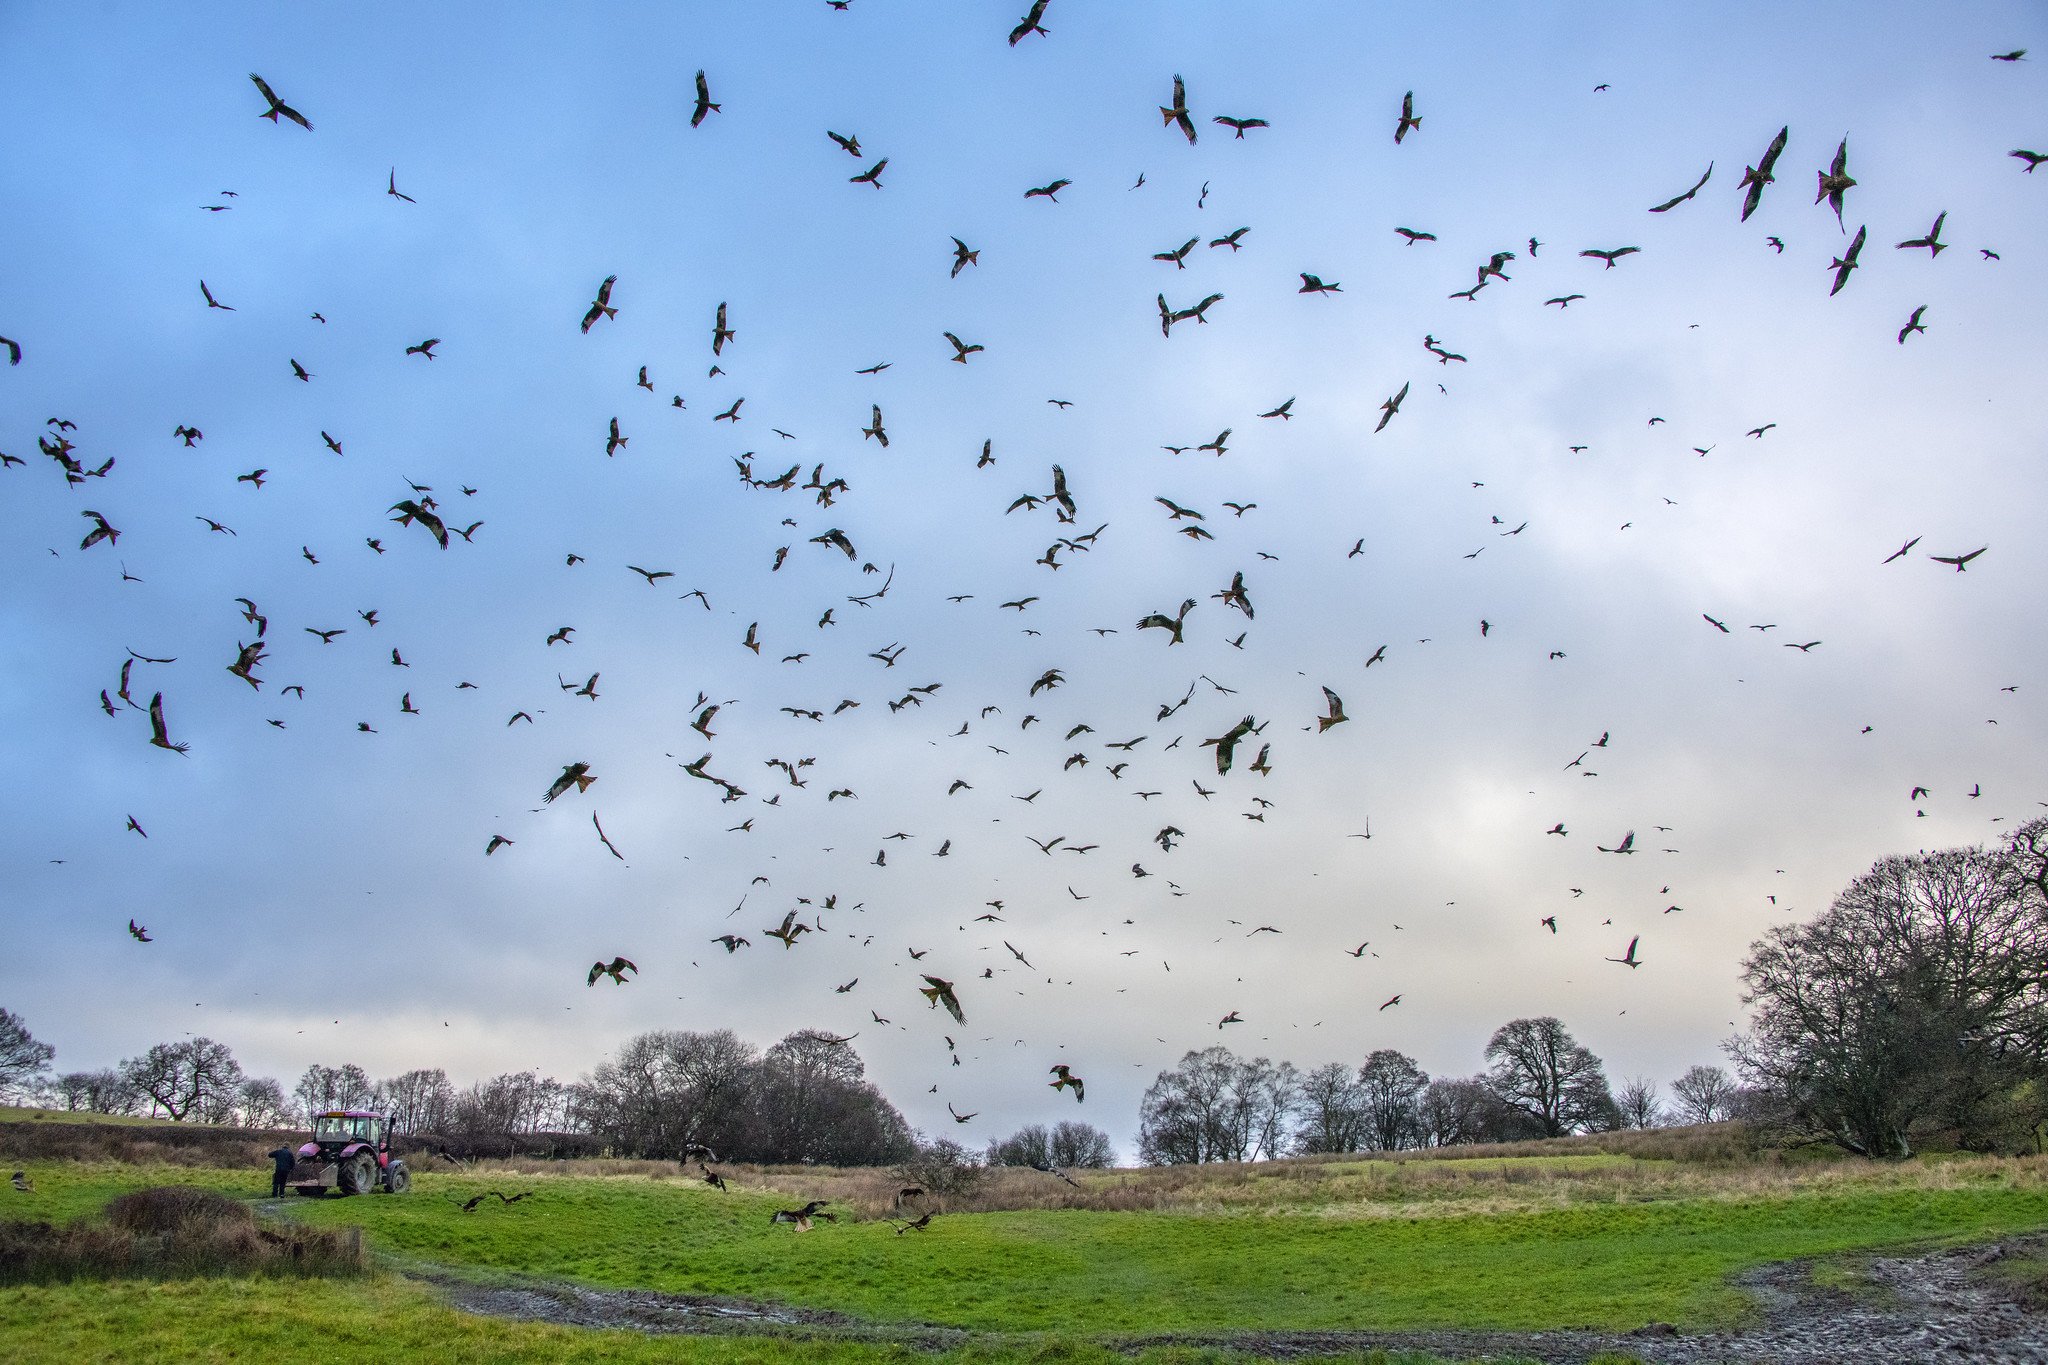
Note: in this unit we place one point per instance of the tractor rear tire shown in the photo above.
(359, 1174)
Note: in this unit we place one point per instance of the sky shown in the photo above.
(1539, 539)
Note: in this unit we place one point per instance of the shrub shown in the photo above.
(169, 1232)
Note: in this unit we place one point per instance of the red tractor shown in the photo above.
(351, 1152)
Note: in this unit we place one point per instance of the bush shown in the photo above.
(943, 1169)
(172, 1231)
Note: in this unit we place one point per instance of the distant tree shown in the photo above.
(1030, 1145)
(23, 1060)
(1081, 1146)
(666, 1090)
(419, 1101)
(942, 1168)
(1329, 1110)
(186, 1080)
(105, 1091)
(1390, 1087)
(1215, 1106)
(1639, 1104)
(1540, 1070)
(260, 1102)
(325, 1088)
(1704, 1094)
(1914, 1006)
(809, 1102)
(515, 1102)
(1455, 1111)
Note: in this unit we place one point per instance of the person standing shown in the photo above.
(281, 1161)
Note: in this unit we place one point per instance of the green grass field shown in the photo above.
(1514, 1243)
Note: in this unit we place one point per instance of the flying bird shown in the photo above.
(277, 106)
(1675, 201)
(615, 969)
(705, 105)
(1842, 265)
(577, 775)
(940, 992)
(1030, 23)
(1068, 1079)
(1628, 959)
(1835, 182)
(1754, 178)
(1409, 120)
(1178, 112)
(601, 306)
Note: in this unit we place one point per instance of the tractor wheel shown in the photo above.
(359, 1174)
(397, 1179)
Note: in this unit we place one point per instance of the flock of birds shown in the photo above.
(1151, 750)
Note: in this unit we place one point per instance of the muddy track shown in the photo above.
(1922, 1308)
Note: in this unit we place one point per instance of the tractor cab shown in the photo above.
(351, 1152)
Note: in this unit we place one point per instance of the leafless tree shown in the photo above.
(1081, 1146)
(188, 1079)
(1215, 1106)
(325, 1088)
(22, 1059)
(1329, 1110)
(1704, 1094)
(1639, 1104)
(1391, 1087)
(1539, 1069)
(260, 1102)
(1915, 1005)
(420, 1101)
(105, 1091)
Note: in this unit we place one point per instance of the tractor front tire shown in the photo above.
(397, 1179)
(359, 1174)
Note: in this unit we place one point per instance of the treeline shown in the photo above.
(1217, 1106)
(199, 1080)
(1911, 1013)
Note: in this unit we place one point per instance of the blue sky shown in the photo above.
(320, 894)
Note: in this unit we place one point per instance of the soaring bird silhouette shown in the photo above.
(1066, 1079)
(1178, 111)
(704, 102)
(1409, 120)
(277, 106)
(616, 969)
(601, 306)
(1754, 178)
(1030, 24)
(1628, 959)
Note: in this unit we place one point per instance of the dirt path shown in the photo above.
(1924, 1309)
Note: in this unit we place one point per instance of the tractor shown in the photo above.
(351, 1152)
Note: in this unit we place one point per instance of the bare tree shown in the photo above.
(1081, 1146)
(1915, 1004)
(96, 1092)
(1030, 1145)
(22, 1059)
(260, 1102)
(325, 1088)
(1215, 1106)
(942, 1168)
(1639, 1104)
(185, 1079)
(1539, 1069)
(1329, 1110)
(1453, 1111)
(419, 1101)
(1704, 1094)
(1390, 1087)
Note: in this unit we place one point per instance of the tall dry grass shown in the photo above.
(169, 1232)
(1709, 1162)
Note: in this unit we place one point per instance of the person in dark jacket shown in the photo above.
(281, 1161)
